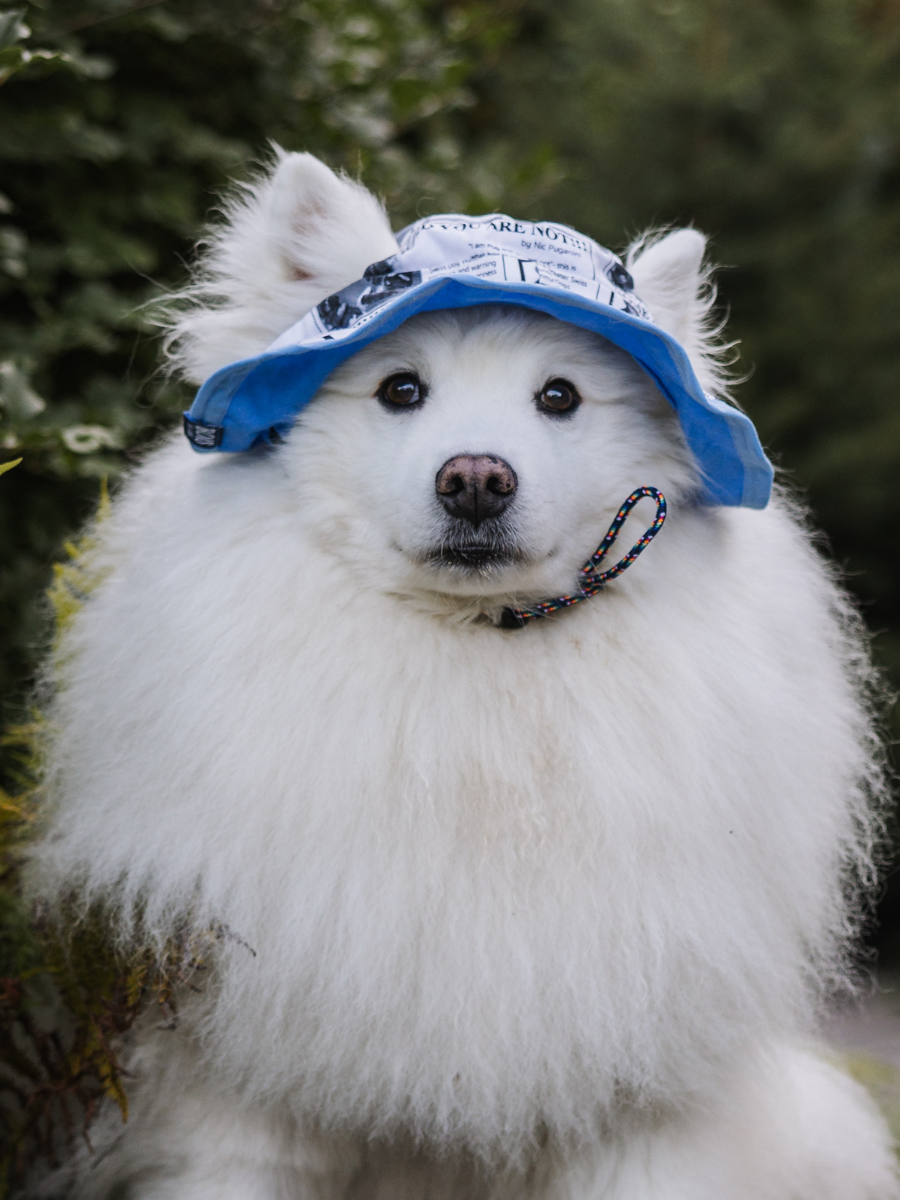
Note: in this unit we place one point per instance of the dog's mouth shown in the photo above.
(471, 559)
(468, 556)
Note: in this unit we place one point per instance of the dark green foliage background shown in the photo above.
(773, 125)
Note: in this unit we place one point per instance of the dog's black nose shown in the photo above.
(475, 487)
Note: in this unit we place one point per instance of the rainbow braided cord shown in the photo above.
(590, 580)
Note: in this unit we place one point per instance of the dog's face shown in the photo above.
(477, 453)
(482, 452)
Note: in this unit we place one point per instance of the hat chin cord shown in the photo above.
(590, 579)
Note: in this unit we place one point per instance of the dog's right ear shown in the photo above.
(289, 239)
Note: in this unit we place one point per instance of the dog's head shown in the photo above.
(478, 452)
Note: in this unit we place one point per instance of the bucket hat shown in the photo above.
(454, 261)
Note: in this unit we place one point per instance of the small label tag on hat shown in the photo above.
(204, 437)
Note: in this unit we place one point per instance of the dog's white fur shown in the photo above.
(535, 914)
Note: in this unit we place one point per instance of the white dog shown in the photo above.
(526, 913)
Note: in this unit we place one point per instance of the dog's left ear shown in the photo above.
(671, 278)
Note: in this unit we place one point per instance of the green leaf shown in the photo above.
(12, 27)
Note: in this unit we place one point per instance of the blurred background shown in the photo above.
(772, 125)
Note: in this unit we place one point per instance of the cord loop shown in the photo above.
(591, 580)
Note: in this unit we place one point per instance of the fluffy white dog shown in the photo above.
(544, 913)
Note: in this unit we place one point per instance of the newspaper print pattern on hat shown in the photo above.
(494, 248)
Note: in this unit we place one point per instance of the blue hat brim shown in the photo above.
(249, 402)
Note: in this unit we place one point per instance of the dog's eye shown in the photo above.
(401, 391)
(558, 398)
